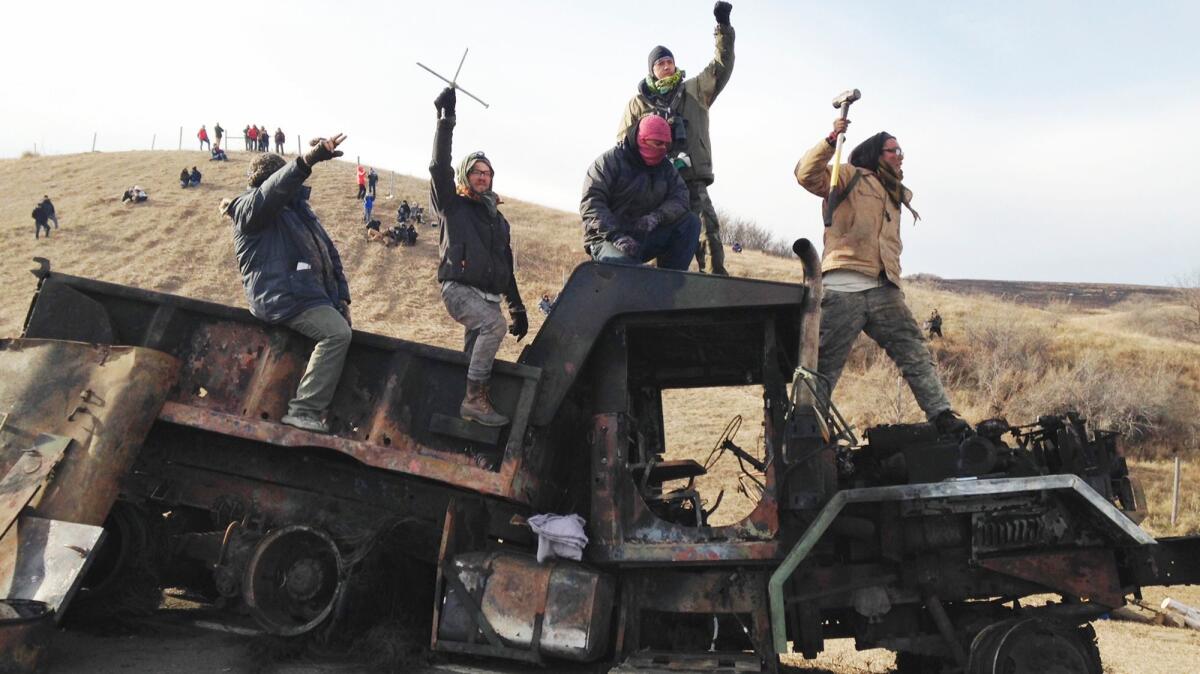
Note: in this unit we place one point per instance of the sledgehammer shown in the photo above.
(842, 102)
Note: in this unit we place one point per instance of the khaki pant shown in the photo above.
(329, 329)
(710, 230)
(883, 315)
(484, 323)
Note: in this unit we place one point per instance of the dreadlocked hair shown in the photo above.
(866, 154)
(262, 166)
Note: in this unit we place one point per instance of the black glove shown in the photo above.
(721, 10)
(629, 246)
(520, 324)
(320, 152)
(647, 222)
(445, 102)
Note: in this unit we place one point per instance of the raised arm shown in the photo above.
(441, 168)
(716, 75)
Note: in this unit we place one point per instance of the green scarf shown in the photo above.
(891, 179)
(666, 84)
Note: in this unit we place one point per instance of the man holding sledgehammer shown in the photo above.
(860, 263)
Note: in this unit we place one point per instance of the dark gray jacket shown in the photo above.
(620, 188)
(288, 262)
(475, 248)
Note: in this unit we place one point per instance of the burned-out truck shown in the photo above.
(921, 543)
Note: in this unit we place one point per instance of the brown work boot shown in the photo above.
(477, 406)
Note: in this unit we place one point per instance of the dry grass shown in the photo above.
(1129, 365)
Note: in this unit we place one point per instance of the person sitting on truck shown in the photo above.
(635, 205)
(860, 268)
(476, 265)
(292, 273)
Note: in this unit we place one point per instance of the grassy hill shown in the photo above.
(1121, 363)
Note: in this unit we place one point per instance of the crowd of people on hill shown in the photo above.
(256, 139)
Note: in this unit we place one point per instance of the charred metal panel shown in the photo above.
(1085, 574)
(238, 374)
(597, 293)
(103, 398)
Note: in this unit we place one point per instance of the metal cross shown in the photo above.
(454, 82)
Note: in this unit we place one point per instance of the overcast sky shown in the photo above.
(1044, 140)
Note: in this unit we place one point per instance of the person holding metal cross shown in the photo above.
(476, 265)
(684, 103)
(860, 265)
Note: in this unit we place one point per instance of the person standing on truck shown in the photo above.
(476, 265)
(684, 103)
(860, 267)
(292, 273)
(635, 204)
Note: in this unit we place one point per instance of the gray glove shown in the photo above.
(647, 222)
(629, 246)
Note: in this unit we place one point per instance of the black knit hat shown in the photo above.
(659, 52)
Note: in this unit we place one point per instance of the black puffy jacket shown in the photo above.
(620, 188)
(475, 248)
(288, 262)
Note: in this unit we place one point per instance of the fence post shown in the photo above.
(94, 141)
(153, 140)
(1175, 494)
(181, 138)
(298, 147)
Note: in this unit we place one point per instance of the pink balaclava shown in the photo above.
(656, 128)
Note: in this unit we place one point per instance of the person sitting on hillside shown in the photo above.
(417, 214)
(395, 236)
(737, 246)
(860, 267)
(134, 195)
(476, 265)
(184, 178)
(403, 212)
(374, 232)
(547, 304)
(194, 177)
(635, 205)
(218, 155)
(292, 273)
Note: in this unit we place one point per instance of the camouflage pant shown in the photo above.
(883, 315)
(710, 232)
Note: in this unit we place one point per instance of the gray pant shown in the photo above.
(883, 315)
(484, 323)
(710, 228)
(329, 329)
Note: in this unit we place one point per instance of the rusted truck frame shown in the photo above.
(914, 542)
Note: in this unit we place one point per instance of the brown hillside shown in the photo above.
(176, 242)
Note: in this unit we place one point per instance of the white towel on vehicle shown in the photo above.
(559, 536)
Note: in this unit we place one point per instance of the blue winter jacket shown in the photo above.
(287, 260)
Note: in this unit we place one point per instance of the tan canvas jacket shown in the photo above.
(698, 95)
(865, 235)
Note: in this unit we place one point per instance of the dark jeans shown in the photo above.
(371, 189)
(362, 191)
(671, 246)
(883, 315)
(37, 229)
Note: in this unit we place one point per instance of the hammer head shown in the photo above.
(846, 98)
